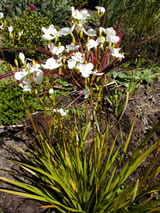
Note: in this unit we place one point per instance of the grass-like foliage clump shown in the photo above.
(77, 167)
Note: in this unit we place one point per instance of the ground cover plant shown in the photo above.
(11, 105)
(75, 166)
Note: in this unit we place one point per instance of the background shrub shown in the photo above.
(57, 11)
(138, 19)
(31, 23)
(11, 106)
(79, 3)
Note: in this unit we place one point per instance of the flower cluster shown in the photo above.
(80, 58)
(30, 74)
(90, 51)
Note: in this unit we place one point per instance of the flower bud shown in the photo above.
(32, 6)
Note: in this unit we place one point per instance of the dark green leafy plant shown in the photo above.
(11, 106)
(59, 15)
(30, 24)
(13, 8)
(65, 173)
(57, 11)
(80, 3)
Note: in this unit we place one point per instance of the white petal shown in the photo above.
(84, 14)
(71, 64)
(110, 31)
(61, 111)
(20, 75)
(1, 15)
(22, 57)
(100, 9)
(60, 50)
(27, 87)
(65, 31)
(100, 40)
(39, 77)
(51, 91)
(90, 32)
(91, 43)
(112, 39)
(89, 67)
(48, 37)
(10, 29)
(51, 63)
(72, 47)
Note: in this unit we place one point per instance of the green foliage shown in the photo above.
(65, 173)
(80, 3)
(126, 83)
(31, 24)
(59, 14)
(138, 76)
(15, 8)
(138, 19)
(11, 105)
(57, 11)
(114, 10)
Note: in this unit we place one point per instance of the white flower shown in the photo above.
(91, 43)
(85, 69)
(33, 74)
(100, 9)
(72, 47)
(112, 39)
(78, 57)
(86, 93)
(85, 14)
(20, 33)
(100, 40)
(111, 35)
(75, 59)
(50, 33)
(1, 15)
(76, 14)
(56, 50)
(66, 30)
(34, 68)
(20, 75)
(22, 57)
(90, 32)
(27, 86)
(61, 111)
(51, 64)
(10, 29)
(71, 64)
(39, 76)
(115, 53)
(51, 91)
(110, 31)
(80, 15)
(1, 26)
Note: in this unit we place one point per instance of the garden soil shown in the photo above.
(146, 102)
